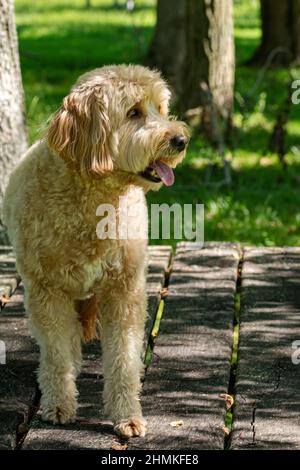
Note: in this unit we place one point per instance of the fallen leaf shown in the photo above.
(4, 299)
(23, 428)
(164, 292)
(119, 446)
(176, 424)
(229, 399)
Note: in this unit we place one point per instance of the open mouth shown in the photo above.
(159, 172)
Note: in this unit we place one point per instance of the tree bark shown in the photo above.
(193, 46)
(13, 136)
(296, 31)
(168, 48)
(280, 24)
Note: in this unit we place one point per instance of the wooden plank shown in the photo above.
(92, 430)
(191, 365)
(266, 414)
(17, 377)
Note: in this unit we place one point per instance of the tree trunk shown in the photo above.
(296, 31)
(280, 42)
(13, 136)
(193, 46)
(168, 48)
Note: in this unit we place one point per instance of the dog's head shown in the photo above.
(116, 118)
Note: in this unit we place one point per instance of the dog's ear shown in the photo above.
(79, 131)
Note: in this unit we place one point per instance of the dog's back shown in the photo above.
(21, 179)
(39, 202)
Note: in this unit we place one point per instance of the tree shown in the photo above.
(193, 46)
(280, 42)
(13, 136)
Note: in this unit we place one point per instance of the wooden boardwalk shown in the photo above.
(204, 295)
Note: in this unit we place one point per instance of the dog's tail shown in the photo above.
(88, 317)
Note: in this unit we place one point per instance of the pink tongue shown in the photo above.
(164, 172)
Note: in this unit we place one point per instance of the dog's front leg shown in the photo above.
(122, 321)
(55, 325)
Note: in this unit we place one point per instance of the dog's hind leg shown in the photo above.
(55, 325)
(122, 332)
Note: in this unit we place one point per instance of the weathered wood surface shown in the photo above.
(266, 414)
(191, 366)
(17, 378)
(191, 362)
(92, 430)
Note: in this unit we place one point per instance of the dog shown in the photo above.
(111, 137)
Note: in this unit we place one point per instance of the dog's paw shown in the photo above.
(131, 427)
(59, 413)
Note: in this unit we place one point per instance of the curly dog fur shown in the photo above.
(109, 129)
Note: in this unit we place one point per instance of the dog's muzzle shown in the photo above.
(159, 171)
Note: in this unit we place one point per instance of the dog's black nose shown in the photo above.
(179, 142)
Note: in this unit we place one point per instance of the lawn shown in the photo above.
(60, 39)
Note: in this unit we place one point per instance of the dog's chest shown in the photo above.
(125, 233)
(109, 266)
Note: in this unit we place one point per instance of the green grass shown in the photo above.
(60, 39)
(153, 335)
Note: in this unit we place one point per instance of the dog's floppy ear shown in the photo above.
(79, 131)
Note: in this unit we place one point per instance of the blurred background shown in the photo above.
(231, 66)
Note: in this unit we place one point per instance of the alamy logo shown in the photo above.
(165, 221)
(296, 93)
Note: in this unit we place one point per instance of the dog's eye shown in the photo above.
(134, 113)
